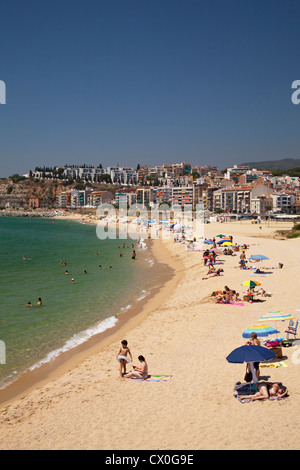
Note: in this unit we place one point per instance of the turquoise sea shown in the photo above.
(71, 312)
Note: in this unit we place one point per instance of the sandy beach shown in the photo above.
(182, 333)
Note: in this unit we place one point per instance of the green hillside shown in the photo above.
(284, 164)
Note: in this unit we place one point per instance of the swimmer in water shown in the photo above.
(39, 302)
(29, 304)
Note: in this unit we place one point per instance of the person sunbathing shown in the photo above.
(263, 293)
(235, 296)
(224, 297)
(266, 390)
(214, 274)
(211, 269)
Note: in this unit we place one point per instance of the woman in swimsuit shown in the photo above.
(139, 373)
(217, 273)
(267, 390)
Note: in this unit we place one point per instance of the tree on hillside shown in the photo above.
(105, 178)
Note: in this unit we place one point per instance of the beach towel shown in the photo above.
(273, 364)
(248, 400)
(232, 303)
(244, 389)
(154, 378)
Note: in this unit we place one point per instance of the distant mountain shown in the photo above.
(284, 164)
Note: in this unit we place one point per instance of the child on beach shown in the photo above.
(122, 356)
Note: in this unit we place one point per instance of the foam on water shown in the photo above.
(76, 340)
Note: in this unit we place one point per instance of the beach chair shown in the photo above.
(292, 329)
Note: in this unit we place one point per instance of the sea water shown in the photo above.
(32, 256)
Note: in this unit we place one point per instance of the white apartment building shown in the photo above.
(236, 200)
(122, 175)
(84, 173)
(185, 195)
(282, 202)
(262, 204)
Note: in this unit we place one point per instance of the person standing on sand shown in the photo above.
(255, 342)
(122, 356)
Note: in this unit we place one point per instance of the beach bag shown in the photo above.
(272, 344)
(248, 375)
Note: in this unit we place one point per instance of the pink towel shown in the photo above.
(232, 303)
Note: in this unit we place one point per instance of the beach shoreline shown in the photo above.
(31, 379)
(187, 336)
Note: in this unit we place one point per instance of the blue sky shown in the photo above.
(149, 82)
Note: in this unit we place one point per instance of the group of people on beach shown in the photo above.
(124, 357)
(209, 260)
(262, 390)
(226, 296)
(259, 390)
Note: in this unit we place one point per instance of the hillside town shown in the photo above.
(237, 190)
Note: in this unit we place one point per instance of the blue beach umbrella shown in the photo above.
(224, 240)
(261, 331)
(257, 257)
(250, 353)
(208, 241)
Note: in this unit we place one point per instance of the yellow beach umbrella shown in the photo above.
(251, 283)
(226, 243)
